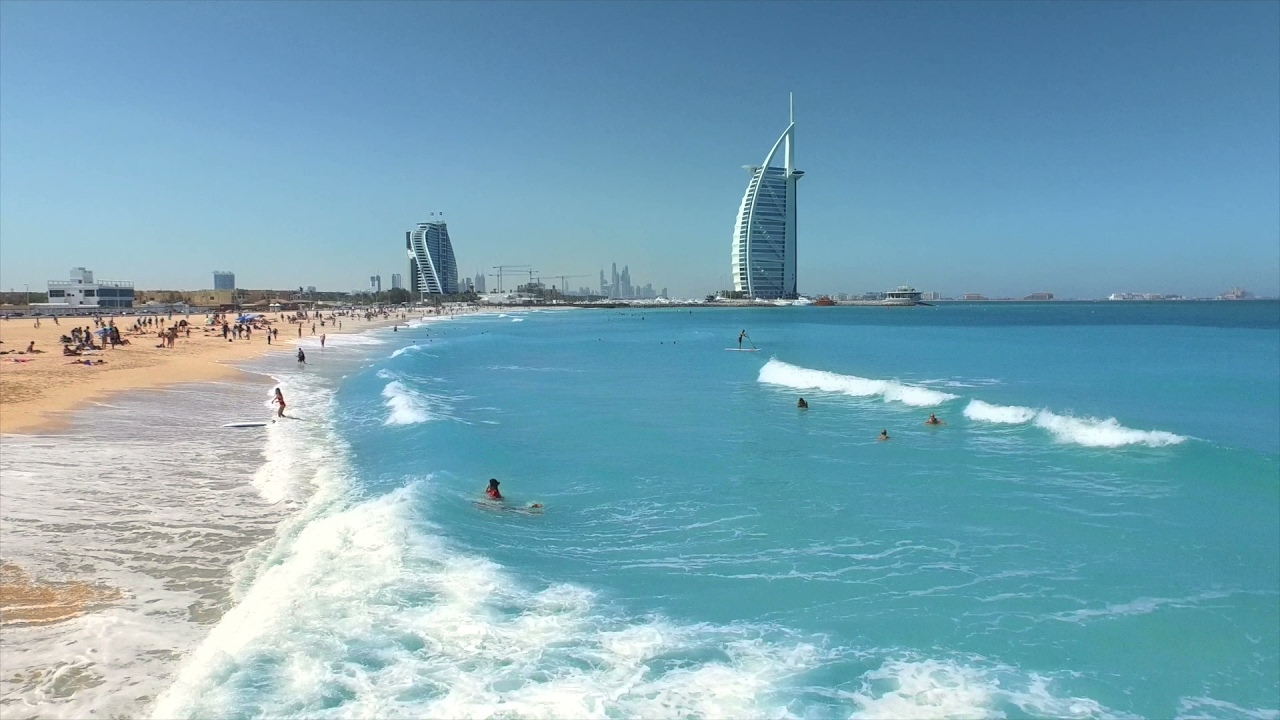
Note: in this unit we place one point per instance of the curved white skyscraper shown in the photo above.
(432, 268)
(764, 236)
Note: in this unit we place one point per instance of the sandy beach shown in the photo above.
(36, 389)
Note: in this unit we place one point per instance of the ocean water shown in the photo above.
(1095, 532)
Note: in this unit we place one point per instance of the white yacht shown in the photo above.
(902, 296)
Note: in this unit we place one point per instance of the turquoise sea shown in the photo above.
(1094, 532)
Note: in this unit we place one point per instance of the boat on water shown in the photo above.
(904, 295)
(824, 301)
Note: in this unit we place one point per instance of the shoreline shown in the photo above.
(37, 392)
(87, 510)
(30, 598)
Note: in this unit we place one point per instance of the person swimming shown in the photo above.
(933, 420)
(492, 491)
(802, 404)
(884, 435)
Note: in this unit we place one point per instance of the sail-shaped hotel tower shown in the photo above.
(764, 237)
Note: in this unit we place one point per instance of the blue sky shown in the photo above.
(1003, 148)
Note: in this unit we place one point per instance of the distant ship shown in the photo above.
(902, 296)
(824, 301)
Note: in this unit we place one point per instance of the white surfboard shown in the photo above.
(742, 349)
(245, 424)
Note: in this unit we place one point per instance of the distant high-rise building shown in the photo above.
(614, 286)
(432, 267)
(375, 284)
(397, 281)
(480, 286)
(764, 236)
(627, 291)
(223, 280)
(665, 295)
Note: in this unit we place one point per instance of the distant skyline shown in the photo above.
(1075, 148)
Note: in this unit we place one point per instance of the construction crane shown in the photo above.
(564, 287)
(500, 268)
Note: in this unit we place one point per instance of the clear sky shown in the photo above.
(1081, 148)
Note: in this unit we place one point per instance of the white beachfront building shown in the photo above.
(764, 236)
(82, 293)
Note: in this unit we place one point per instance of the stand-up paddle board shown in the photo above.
(742, 349)
(245, 424)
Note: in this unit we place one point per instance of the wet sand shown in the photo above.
(26, 601)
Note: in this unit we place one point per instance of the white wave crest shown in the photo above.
(1092, 432)
(408, 406)
(1084, 431)
(365, 614)
(407, 348)
(776, 372)
(1007, 414)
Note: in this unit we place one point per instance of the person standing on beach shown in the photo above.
(279, 400)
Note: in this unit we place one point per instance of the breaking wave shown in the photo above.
(776, 372)
(367, 613)
(408, 406)
(1085, 431)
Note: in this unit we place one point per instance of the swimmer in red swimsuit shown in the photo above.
(492, 490)
(279, 400)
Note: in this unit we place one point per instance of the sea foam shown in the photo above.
(365, 612)
(1085, 431)
(932, 688)
(776, 372)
